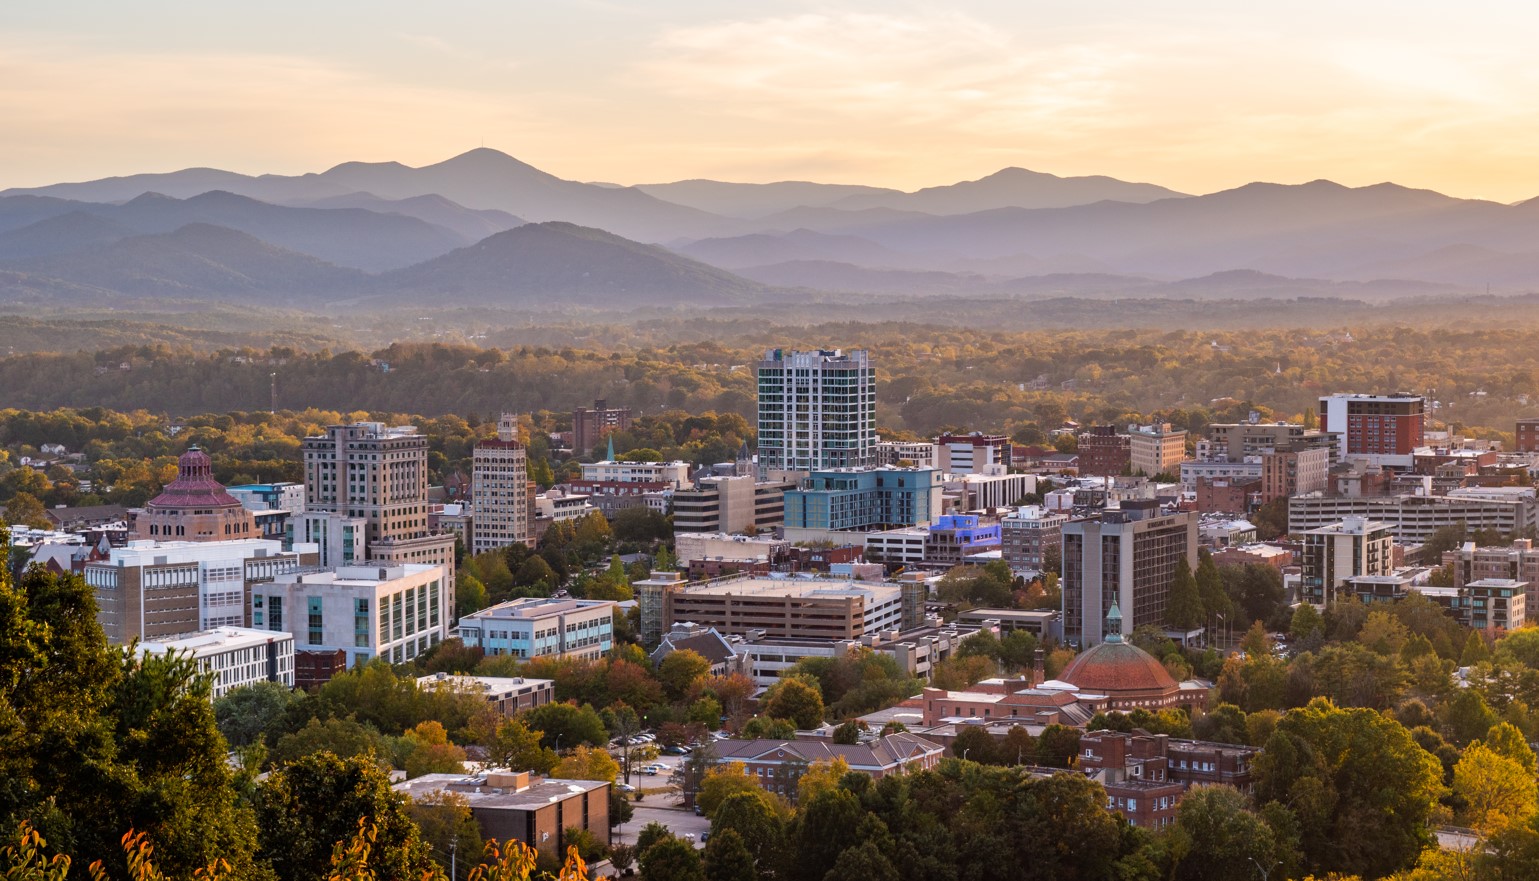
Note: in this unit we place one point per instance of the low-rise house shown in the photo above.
(777, 765)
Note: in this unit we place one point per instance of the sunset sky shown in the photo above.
(1194, 95)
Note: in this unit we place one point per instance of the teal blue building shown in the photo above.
(864, 499)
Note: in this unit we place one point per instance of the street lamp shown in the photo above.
(1266, 872)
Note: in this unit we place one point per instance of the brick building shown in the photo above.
(1103, 452)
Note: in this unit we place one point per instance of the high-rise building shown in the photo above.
(742, 505)
(1332, 554)
(972, 453)
(590, 426)
(1103, 452)
(1155, 449)
(1384, 430)
(500, 490)
(817, 410)
(1028, 535)
(1527, 435)
(195, 507)
(1287, 473)
(863, 498)
(380, 474)
(1126, 556)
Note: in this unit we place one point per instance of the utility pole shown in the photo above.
(454, 854)
(273, 377)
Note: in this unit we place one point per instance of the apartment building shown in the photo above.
(1103, 452)
(590, 426)
(1156, 449)
(1383, 430)
(674, 474)
(1029, 534)
(1287, 473)
(500, 490)
(1517, 562)
(896, 453)
(743, 505)
(817, 410)
(973, 453)
(863, 499)
(1340, 551)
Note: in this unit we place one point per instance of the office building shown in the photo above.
(743, 505)
(282, 496)
(1413, 518)
(1125, 556)
(508, 695)
(973, 453)
(988, 490)
(1029, 534)
(538, 628)
(500, 491)
(518, 806)
(1527, 440)
(1103, 452)
(151, 590)
(906, 453)
(1382, 430)
(817, 410)
(675, 475)
(814, 608)
(339, 540)
(1287, 473)
(378, 473)
(1156, 449)
(195, 507)
(863, 499)
(1241, 441)
(232, 656)
(1332, 554)
(590, 427)
(395, 612)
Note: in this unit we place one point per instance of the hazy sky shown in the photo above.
(1191, 94)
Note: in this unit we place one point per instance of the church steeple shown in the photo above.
(1113, 624)
(610, 456)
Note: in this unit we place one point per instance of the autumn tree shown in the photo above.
(1496, 791)
(797, 699)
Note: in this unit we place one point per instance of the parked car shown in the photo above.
(676, 751)
(627, 788)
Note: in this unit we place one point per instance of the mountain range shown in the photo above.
(484, 228)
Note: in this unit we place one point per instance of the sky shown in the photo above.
(1195, 95)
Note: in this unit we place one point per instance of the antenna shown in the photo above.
(273, 406)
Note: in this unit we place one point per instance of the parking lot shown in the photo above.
(678, 820)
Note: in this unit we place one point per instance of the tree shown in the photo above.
(975, 744)
(820, 776)
(587, 763)
(1218, 837)
(243, 714)
(795, 698)
(848, 733)
(1183, 609)
(865, 861)
(758, 818)
(564, 726)
(513, 744)
(721, 782)
(1507, 741)
(344, 738)
(1210, 586)
(431, 752)
(306, 807)
(824, 827)
(728, 859)
(765, 728)
(446, 825)
(680, 670)
(1467, 717)
(1307, 629)
(1496, 791)
(1475, 650)
(1361, 787)
(672, 860)
(25, 509)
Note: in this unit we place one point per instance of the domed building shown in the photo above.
(1128, 676)
(195, 507)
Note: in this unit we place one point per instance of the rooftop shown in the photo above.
(478, 791)
(219, 639)
(790, 587)
(538, 607)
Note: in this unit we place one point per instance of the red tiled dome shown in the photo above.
(194, 486)
(1116, 666)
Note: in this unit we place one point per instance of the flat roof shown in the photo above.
(803, 587)
(218, 639)
(540, 793)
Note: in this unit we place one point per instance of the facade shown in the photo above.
(1291, 472)
(1332, 554)
(392, 612)
(1495, 604)
(232, 656)
(675, 475)
(904, 546)
(508, 695)
(195, 507)
(896, 453)
(1129, 677)
(1156, 449)
(952, 538)
(989, 490)
(1238, 441)
(1382, 429)
(152, 590)
(1028, 535)
(973, 453)
(817, 410)
(377, 473)
(589, 427)
(1413, 518)
(538, 628)
(500, 491)
(1214, 469)
(739, 505)
(1227, 495)
(1103, 452)
(777, 765)
(340, 540)
(1518, 562)
(1527, 435)
(518, 806)
(1126, 556)
(1116, 758)
(282, 496)
(815, 608)
(864, 499)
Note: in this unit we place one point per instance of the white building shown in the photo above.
(692, 546)
(675, 474)
(1413, 518)
(903, 546)
(535, 628)
(1217, 468)
(508, 695)
(340, 540)
(1351, 548)
(817, 410)
(556, 506)
(500, 490)
(917, 454)
(151, 589)
(993, 487)
(233, 656)
(394, 611)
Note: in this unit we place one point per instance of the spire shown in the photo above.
(610, 456)
(1113, 624)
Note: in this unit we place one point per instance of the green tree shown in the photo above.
(1361, 787)
(446, 825)
(566, 725)
(1218, 837)
(680, 670)
(797, 699)
(345, 738)
(672, 860)
(865, 861)
(1506, 740)
(722, 782)
(1468, 717)
(587, 763)
(25, 509)
(728, 859)
(513, 744)
(1475, 650)
(1183, 609)
(430, 751)
(1210, 586)
(758, 819)
(244, 714)
(306, 807)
